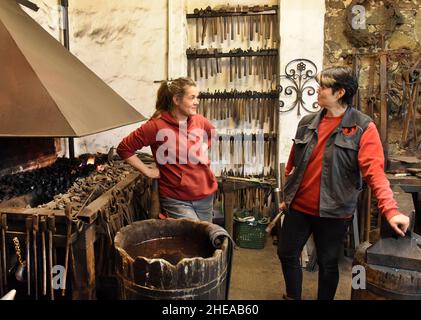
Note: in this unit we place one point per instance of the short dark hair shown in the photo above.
(339, 78)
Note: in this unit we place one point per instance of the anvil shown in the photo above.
(397, 252)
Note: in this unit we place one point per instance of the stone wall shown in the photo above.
(342, 41)
(406, 35)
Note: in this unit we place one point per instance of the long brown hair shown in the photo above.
(166, 92)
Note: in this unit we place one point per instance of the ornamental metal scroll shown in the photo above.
(300, 73)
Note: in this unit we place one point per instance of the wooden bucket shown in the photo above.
(193, 278)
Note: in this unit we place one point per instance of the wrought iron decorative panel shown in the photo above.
(298, 82)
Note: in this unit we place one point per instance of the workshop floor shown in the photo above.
(257, 275)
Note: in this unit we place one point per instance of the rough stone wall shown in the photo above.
(406, 35)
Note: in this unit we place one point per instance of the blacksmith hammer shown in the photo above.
(204, 25)
(196, 11)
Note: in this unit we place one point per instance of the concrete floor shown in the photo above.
(257, 275)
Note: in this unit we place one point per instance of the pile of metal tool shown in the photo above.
(86, 190)
(228, 23)
(242, 63)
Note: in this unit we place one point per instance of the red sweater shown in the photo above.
(371, 163)
(186, 175)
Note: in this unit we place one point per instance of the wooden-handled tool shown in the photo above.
(35, 248)
(3, 279)
(196, 11)
(43, 229)
(68, 213)
(51, 231)
(155, 206)
(28, 225)
(278, 192)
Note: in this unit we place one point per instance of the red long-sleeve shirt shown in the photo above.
(186, 175)
(371, 163)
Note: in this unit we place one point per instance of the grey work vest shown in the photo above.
(341, 180)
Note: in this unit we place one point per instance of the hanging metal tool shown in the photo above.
(196, 11)
(28, 226)
(43, 229)
(68, 213)
(3, 273)
(35, 248)
(51, 231)
(21, 265)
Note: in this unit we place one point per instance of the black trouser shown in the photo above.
(328, 234)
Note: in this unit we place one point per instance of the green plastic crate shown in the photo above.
(250, 235)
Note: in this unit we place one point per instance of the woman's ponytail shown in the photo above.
(166, 92)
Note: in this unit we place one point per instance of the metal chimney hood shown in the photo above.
(45, 91)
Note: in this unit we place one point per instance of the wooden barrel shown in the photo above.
(385, 283)
(147, 268)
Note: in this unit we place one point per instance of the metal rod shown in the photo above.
(66, 43)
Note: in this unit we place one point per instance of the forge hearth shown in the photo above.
(23, 154)
(67, 181)
(40, 186)
(98, 198)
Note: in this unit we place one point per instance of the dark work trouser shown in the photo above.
(328, 234)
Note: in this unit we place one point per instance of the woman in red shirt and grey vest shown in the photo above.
(179, 140)
(331, 150)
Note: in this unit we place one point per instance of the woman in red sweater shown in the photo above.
(179, 139)
(333, 149)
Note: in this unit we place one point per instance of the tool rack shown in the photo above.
(247, 24)
(233, 48)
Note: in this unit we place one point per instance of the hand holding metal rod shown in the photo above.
(279, 196)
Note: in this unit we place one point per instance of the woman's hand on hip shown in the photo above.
(152, 172)
(399, 224)
(282, 206)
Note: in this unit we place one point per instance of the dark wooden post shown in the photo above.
(83, 265)
(229, 211)
(383, 102)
